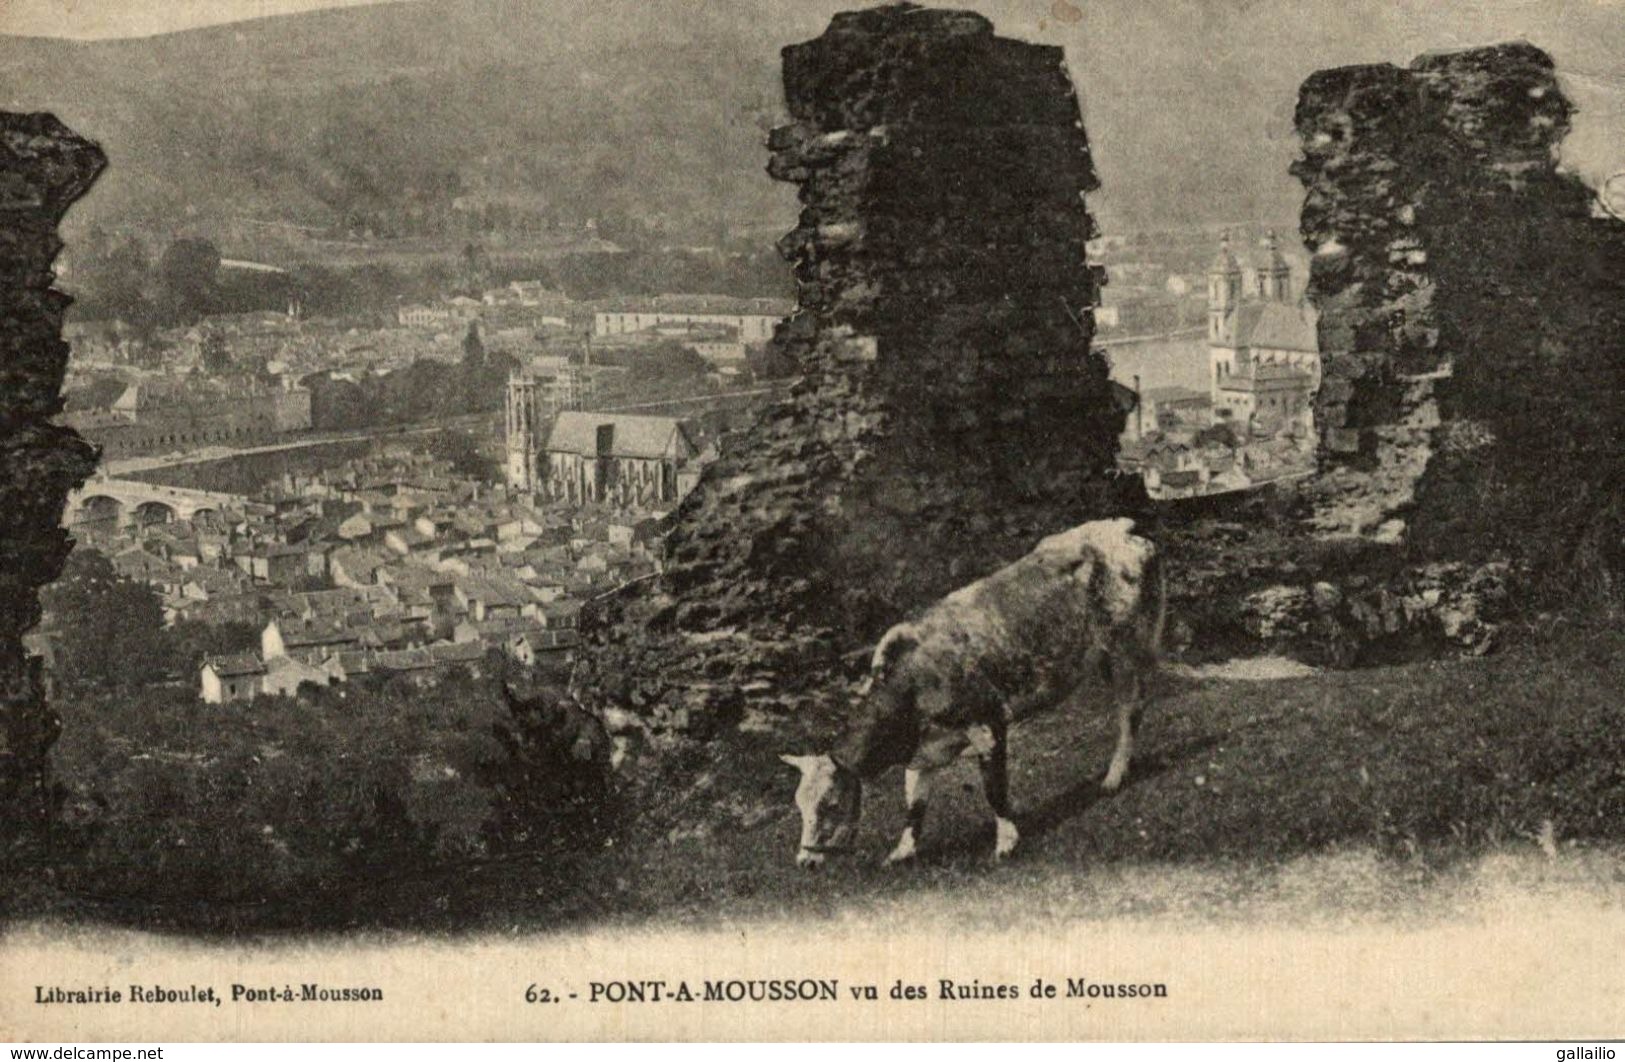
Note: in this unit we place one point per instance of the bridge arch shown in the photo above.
(98, 508)
(151, 512)
(139, 503)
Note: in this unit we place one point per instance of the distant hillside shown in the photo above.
(564, 106)
(574, 108)
(655, 110)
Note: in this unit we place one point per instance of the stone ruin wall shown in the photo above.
(1466, 290)
(1473, 339)
(44, 169)
(950, 410)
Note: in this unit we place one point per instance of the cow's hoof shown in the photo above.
(1112, 782)
(809, 860)
(903, 853)
(1008, 837)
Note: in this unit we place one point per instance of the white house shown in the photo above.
(239, 677)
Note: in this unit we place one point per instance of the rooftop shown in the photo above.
(646, 437)
(1268, 378)
(236, 665)
(1163, 395)
(721, 305)
(1280, 326)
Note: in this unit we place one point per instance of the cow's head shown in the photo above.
(830, 799)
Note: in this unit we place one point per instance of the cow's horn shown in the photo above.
(800, 763)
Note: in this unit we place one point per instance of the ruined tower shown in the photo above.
(950, 410)
(45, 168)
(1472, 309)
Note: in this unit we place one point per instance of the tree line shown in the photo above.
(424, 390)
(121, 277)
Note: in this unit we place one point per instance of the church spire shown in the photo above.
(1274, 274)
(1225, 263)
(1223, 295)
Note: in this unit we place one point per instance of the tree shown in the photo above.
(666, 360)
(486, 382)
(126, 273)
(215, 355)
(467, 459)
(770, 361)
(98, 392)
(108, 629)
(473, 348)
(554, 783)
(190, 642)
(112, 278)
(1222, 433)
(476, 268)
(187, 273)
(336, 404)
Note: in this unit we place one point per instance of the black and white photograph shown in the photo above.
(799, 520)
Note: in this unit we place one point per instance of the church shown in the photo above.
(616, 458)
(558, 451)
(1263, 350)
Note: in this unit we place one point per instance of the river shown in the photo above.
(1176, 360)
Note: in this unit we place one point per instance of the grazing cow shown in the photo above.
(950, 682)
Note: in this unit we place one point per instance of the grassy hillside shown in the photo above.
(1417, 764)
(1394, 775)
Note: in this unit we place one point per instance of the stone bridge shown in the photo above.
(130, 501)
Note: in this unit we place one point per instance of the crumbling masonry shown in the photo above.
(1472, 311)
(1472, 332)
(950, 410)
(44, 168)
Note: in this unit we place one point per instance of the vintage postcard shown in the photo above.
(784, 520)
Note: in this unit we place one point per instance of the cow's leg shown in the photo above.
(916, 791)
(1128, 694)
(996, 785)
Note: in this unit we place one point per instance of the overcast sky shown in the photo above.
(1439, 20)
(139, 18)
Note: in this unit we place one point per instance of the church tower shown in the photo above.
(1223, 296)
(1274, 274)
(1224, 286)
(523, 445)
